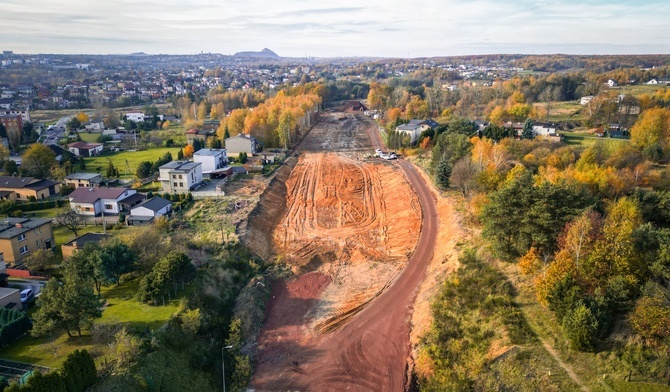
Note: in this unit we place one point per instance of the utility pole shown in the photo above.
(223, 366)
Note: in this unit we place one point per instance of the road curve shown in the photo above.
(370, 352)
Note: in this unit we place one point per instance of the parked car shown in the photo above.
(27, 295)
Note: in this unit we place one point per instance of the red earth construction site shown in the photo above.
(360, 234)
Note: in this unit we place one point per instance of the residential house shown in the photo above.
(544, 130)
(10, 298)
(25, 187)
(96, 201)
(148, 210)
(85, 149)
(180, 176)
(200, 134)
(211, 158)
(211, 125)
(135, 116)
(70, 247)
(13, 123)
(86, 180)
(585, 99)
(20, 236)
(415, 127)
(59, 152)
(653, 81)
(242, 143)
(611, 83)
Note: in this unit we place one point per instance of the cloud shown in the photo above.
(296, 27)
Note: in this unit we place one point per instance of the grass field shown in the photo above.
(121, 308)
(132, 157)
(585, 139)
(638, 89)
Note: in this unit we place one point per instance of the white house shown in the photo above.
(544, 130)
(179, 176)
(653, 81)
(146, 211)
(585, 99)
(95, 201)
(94, 126)
(611, 83)
(85, 149)
(415, 127)
(135, 116)
(211, 159)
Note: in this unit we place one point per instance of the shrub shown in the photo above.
(13, 324)
(581, 327)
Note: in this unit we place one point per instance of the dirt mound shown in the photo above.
(344, 210)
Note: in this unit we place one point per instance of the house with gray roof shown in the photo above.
(148, 210)
(19, 237)
(96, 201)
(242, 143)
(415, 127)
(180, 176)
(85, 180)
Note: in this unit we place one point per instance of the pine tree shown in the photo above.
(180, 155)
(443, 172)
(226, 133)
(527, 132)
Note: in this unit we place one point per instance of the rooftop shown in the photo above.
(84, 145)
(212, 152)
(12, 227)
(82, 176)
(182, 166)
(91, 195)
(154, 204)
(15, 182)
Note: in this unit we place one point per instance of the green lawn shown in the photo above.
(585, 139)
(133, 158)
(89, 137)
(121, 308)
(638, 89)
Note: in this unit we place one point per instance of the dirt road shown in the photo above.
(370, 351)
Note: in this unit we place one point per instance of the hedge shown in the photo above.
(41, 205)
(13, 324)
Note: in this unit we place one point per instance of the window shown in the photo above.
(23, 249)
(181, 184)
(35, 231)
(180, 177)
(109, 207)
(22, 237)
(37, 243)
(87, 209)
(174, 176)
(174, 184)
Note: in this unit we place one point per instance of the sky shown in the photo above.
(297, 28)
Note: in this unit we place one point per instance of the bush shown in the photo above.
(13, 324)
(78, 371)
(581, 327)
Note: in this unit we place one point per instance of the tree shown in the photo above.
(73, 124)
(463, 175)
(242, 157)
(443, 172)
(126, 347)
(78, 371)
(112, 171)
(69, 219)
(651, 319)
(40, 260)
(197, 145)
(651, 129)
(180, 155)
(581, 326)
(3, 131)
(67, 307)
(144, 169)
(175, 266)
(113, 260)
(58, 173)
(10, 167)
(38, 160)
(82, 117)
(226, 133)
(188, 151)
(28, 132)
(527, 132)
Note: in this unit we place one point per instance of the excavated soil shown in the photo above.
(348, 226)
(346, 211)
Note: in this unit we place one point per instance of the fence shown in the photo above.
(208, 195)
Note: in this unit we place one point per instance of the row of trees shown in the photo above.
(77, 373)
(146, 169)
(13, 324)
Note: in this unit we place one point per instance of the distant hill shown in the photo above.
(263, 54)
